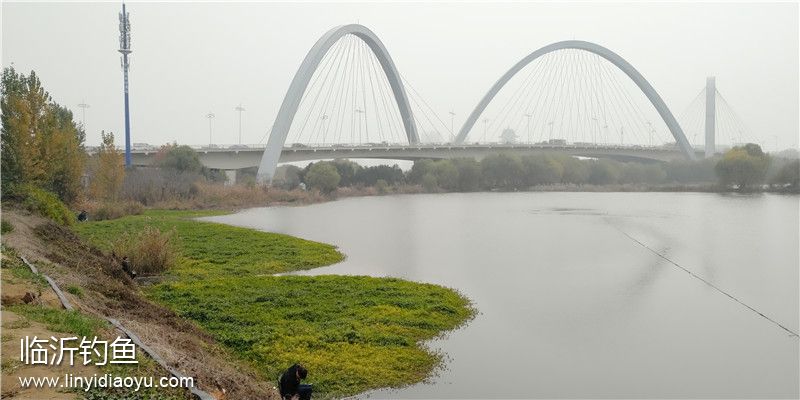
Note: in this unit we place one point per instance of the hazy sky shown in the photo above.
(190, 58)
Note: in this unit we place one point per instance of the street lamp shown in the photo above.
(485, 127)
(324, 129)
(210, 116)
(359, 112)
(83, 107)
(239, 108)
(528, 127)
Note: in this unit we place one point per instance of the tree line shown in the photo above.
(742, 168)
(44, 161)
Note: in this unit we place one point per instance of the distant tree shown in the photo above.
(420, 169)
(509, 136)
(575, 171)
(634, 172)
(685, 171)
(541, 169)
(41, 144)
(369, 176)
(603, 172)
(288, 177)
(743, 166)
(503, 171)
(180, 158)
(469, 174)
(347, 170)
(109, 172)
(446, 175)
(789, 175)
(323, 177)
(429, 182)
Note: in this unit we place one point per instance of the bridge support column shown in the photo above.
(231, 175)
(711, 116)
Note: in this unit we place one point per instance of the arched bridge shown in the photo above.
(275, 150)
(601, 51)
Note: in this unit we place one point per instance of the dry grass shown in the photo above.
(108, 291)
(101, 211)
(216, 196)
(149, 250)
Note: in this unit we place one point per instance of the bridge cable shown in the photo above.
(324, 109)
(327, 72)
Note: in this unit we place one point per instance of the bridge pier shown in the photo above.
(230, 174)
(711, 116)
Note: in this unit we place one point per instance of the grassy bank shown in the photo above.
(353, 333)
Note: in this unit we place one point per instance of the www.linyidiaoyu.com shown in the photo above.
(86, 383)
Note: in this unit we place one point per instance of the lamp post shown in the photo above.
(239, 108)
(528, 127)
(359, 112)
(485, 127)
(210, 116)
(83, 107)
(324, 129)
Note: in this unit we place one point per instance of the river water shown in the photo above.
(583, 294)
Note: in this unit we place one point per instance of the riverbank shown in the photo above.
(353, 333)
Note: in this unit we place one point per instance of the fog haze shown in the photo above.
(193, 58)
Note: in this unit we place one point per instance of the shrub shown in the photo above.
(150, 251)
(6, 227)
(75, 291)
(381, 186)
(323, 177)
(114, 210)
(47, 205)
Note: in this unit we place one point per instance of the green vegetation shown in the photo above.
(6, 227)
(19, 271)
(149, 250)
(216, 250)
(323, 176)
(505, 171)
(743, 166)
(42, 146)
(354, 333)
(46, 204)
(77, 291)
(108, 171)
(60, 320)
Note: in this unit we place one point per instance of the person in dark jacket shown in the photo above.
(289, 384)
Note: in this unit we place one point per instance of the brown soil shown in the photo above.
(109, 292)
(16, 327)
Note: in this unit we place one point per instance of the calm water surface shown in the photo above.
(570, 304)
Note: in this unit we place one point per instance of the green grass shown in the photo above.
(19, 271)
(353, 333)
(60, 320)
(216, 250)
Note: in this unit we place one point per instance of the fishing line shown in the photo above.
(791, 333)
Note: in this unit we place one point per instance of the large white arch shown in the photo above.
(601, 51)
(283, 121)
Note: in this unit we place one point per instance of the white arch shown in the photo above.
(601, 51)
(283, 121)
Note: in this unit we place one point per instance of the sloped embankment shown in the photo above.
(108, 292)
